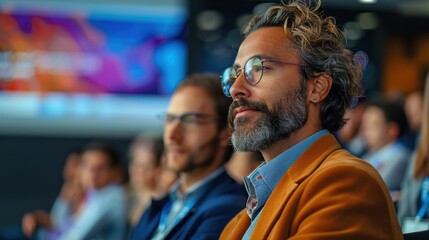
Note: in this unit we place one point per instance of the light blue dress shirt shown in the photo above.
(103, 216)
(264, 178)
(391, 162)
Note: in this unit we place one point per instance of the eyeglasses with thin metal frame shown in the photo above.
(187, 119)
(253, 71)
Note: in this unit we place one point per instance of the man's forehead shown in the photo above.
(191, 99)
(269, 41)
(95, 157)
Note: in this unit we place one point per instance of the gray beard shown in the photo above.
(289, 114)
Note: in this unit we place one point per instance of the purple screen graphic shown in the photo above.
(89, 67)
(92, 52)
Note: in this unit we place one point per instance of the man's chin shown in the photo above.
(244, 125)
(244, 129)
(175, 167)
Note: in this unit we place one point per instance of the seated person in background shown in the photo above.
(413, 110)
(71, 190)
(102, 212)
(71, 194)
(196, 138)
(414, 200)
(146, 174)
(242, 164)
(164, 179)
(349, 135)
(383, 124)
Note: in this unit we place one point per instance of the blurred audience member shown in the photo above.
(242, 164)
(71, 190)
(414, 202)
(197, 141)
(146, 174)
(413, 109)
(383, 123)
(165, 179)
(101, 215)
(71, 194)
(349, 135)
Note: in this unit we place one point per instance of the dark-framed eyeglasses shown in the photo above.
(253, 71)
(188, 119)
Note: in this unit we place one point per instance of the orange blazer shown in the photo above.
(327, 193)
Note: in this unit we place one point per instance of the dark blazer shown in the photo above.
(221, 201)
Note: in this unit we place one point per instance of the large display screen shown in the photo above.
(94, 65)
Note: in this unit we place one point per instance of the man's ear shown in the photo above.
(319, 87)
(224, 137)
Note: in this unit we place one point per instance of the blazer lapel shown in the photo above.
(152, 216)
(304, 166)
(237, 227)
(212, 189)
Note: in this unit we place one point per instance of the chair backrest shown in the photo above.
(423, 235)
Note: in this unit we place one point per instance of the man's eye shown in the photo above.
(169, 118)
(257, 68)
(190, 119)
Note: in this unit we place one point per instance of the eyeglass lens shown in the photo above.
(253, 70)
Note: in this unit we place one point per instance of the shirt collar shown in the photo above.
(272, 171)
(197, 187)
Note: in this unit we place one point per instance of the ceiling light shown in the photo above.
(209, 20)
(368, 1)
(353, 31)
(367, 20)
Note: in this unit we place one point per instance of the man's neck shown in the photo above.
(284, 144)
(188, 179)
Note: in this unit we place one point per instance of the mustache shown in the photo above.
(257, 106)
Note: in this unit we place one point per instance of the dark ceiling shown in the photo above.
(403, 7)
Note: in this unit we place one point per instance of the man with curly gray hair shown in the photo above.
(291, 83)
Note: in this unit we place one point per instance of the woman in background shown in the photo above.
(414, 197)
(148, 178)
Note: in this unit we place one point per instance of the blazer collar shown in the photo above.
(214, 187)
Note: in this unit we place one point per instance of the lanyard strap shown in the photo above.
(424, 199)
(164, 224)
(165, 210)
